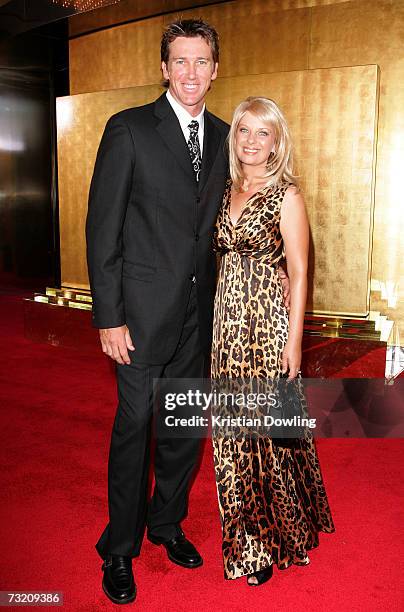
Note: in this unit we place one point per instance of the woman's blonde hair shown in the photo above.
(280, 162)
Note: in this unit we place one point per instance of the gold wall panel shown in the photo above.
(335, 157)
(332, 115)
(80, 122)
(321, 34)
(238, 9)
(371, 31)
(129, 55)
(116, 57)
(124, 11)
(277, 33)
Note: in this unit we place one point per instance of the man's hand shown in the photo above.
(285, 286)
(115, 342)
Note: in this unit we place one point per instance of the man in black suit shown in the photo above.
(158, 182)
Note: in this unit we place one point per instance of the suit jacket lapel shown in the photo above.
(211, 142)
(170, 131)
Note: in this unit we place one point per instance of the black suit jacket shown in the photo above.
(149, 227)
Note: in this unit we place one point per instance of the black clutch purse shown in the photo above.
(287, 412)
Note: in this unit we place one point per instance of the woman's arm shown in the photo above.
(294, 228)
(284, 278)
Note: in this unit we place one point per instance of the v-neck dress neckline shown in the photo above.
(246, 206)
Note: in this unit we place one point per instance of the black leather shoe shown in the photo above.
(180, 551)
(118, 582)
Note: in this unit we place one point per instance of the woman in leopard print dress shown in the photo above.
(272, 498)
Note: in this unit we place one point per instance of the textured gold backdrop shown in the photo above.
(262, 36)
(332, 117)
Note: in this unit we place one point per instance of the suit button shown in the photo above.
(192, 277)
(196, 237)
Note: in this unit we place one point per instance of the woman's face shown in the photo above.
(254, 141)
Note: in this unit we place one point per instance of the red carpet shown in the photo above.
(57, 411)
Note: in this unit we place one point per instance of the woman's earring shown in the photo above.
(271, 156)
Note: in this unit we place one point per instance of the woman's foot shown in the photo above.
(260, 577)
(304, 561)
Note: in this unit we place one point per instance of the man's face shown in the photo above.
(190, 71)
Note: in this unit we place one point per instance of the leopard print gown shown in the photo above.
(272, 500)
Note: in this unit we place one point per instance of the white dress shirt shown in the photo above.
(185, 119)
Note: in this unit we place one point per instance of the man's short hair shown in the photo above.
(189, 28)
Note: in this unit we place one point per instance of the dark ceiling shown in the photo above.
(17, 16)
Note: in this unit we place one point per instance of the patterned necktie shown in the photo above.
(194, 148)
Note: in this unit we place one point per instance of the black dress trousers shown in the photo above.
(129, 457)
